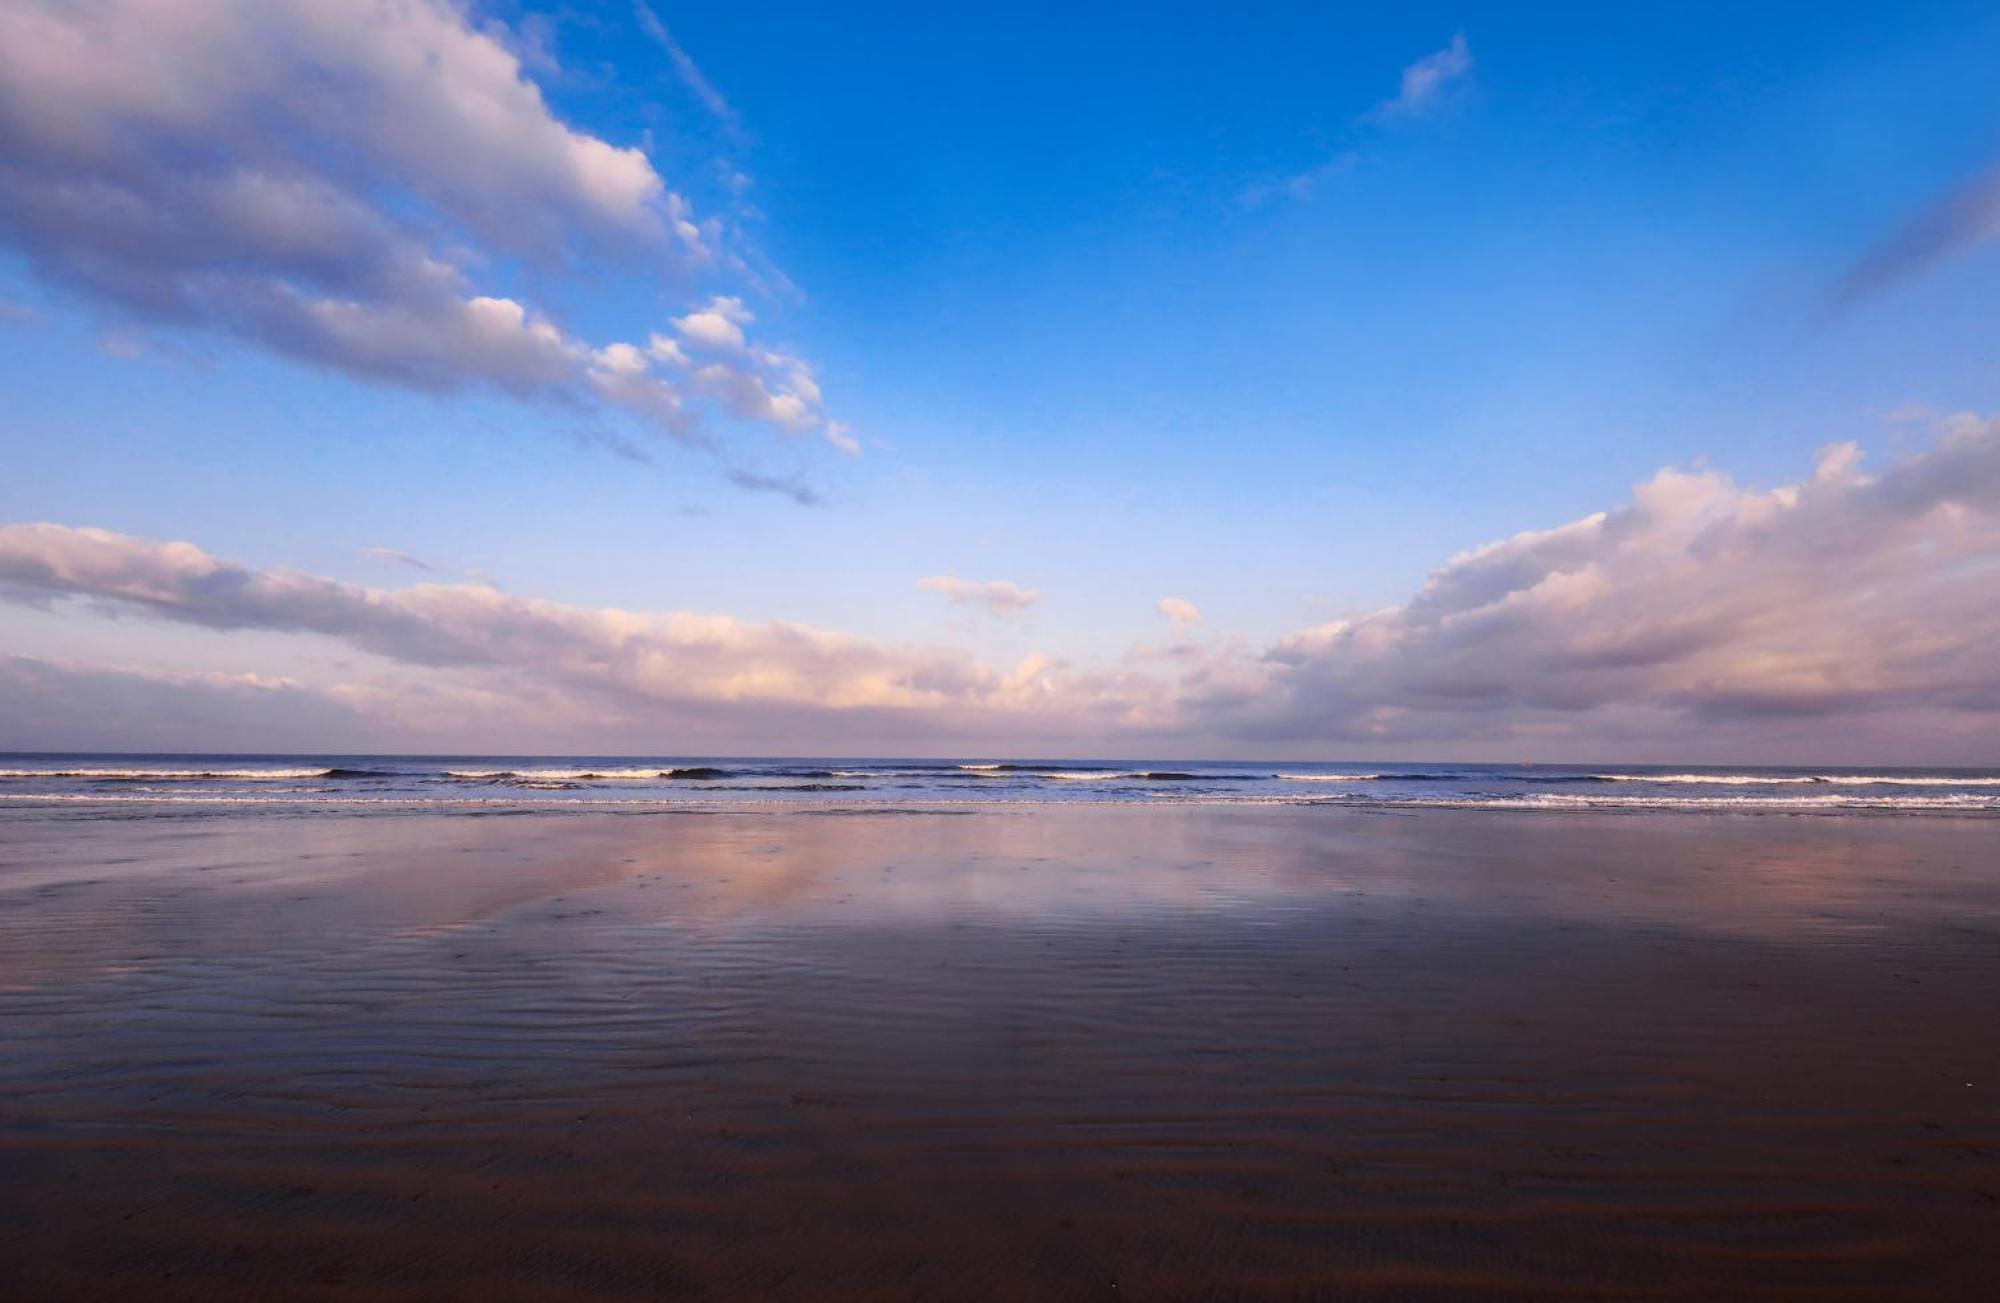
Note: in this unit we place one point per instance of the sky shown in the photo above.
(1458, 381)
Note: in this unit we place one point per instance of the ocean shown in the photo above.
(361, 783)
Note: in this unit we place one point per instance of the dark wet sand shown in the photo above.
(1018, 1054)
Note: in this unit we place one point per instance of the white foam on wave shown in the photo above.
(558, 775)
(1790, 780)
(1829, 801)
(166, 775)
(1723, 780)
(1331, 778)
(1085, 775)
(385, 802)
(1831, 805)
(1905, 780)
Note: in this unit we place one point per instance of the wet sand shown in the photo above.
(1020, 1053)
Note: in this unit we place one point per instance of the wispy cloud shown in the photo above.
(786, 486)
(686, 69)
(996, 595)
(1426, 87)
(842, 437)
(332, 181)
(1179, 610)
(1427, 84)
(396, 556)
(1967, 215)
(1298, 186)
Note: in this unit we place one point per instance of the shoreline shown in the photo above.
(1835, 808)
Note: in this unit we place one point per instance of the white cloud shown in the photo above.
(1179, 610)
(996, 595)
(1426, 82)
(1851, 615)
(1700, 606)
(329, 178)
(678, 660)
(718, 327)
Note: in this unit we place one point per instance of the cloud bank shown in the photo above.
(350, 183)
(48, 706)
(1849, 615)
(1849, 600)
(479, 653)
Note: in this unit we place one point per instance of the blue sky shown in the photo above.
(1148, 301)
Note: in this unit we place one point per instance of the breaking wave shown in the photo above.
(136, 775)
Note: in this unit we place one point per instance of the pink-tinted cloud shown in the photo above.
(999, 596)
(1849, 599)
(475, 641)
(1853, 613)
(46, 706)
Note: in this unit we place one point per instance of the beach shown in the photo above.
(1029, 1051)
(929, 653)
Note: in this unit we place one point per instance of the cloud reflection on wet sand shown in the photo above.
(1011, 1054)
